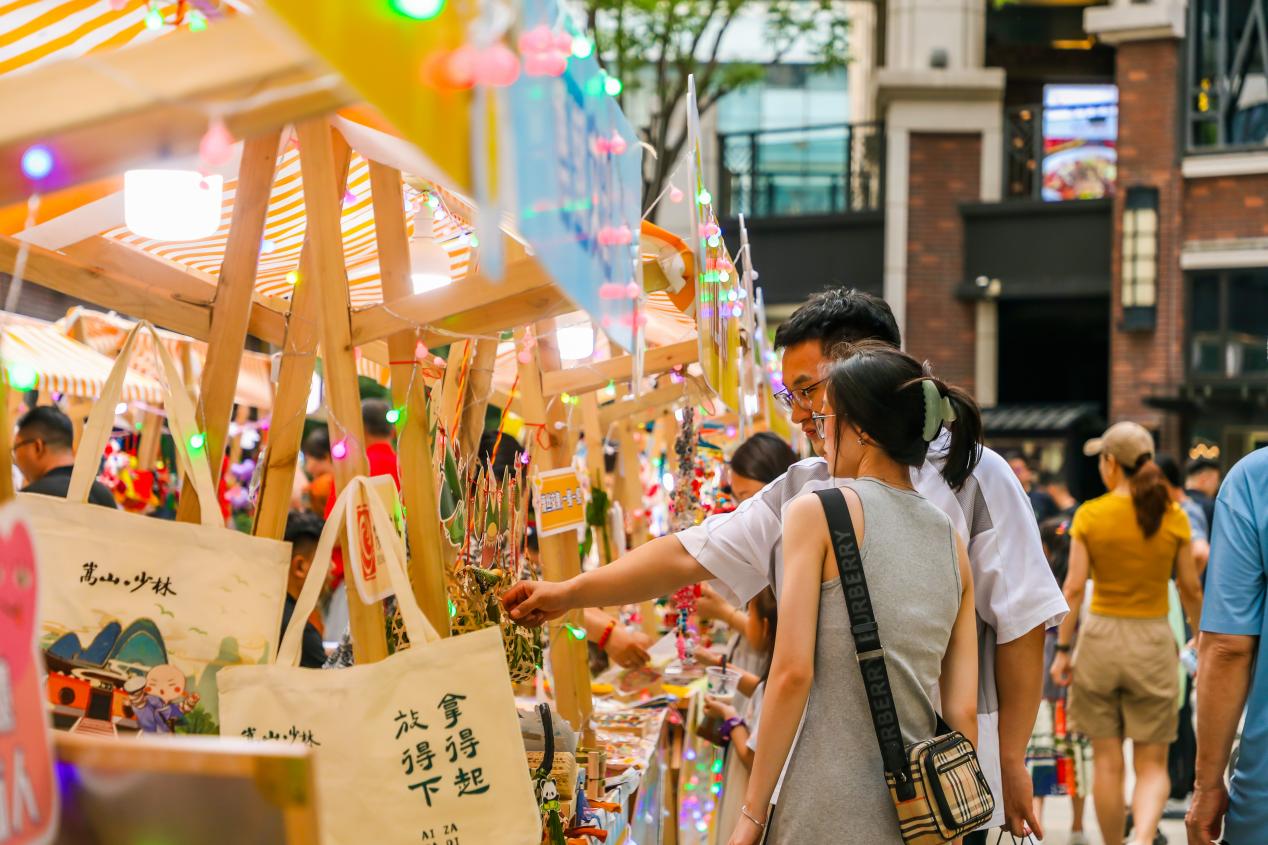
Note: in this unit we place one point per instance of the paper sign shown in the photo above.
(28, 801)
(559, 497)
(372, 582)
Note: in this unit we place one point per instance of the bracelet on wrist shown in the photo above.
(728, 726)
(607, 634)
(1063, 648)
(746, 814)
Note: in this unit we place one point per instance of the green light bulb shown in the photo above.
(197, 441)
(581, 47)
(612, 86)
(419, 10)
(393, 416)
(23, 377)
(704, 197)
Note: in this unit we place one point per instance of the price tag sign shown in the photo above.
(559, 497)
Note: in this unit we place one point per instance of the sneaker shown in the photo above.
(1078, 837)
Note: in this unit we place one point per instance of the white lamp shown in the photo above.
(575, 342)
(172, 205)
(428, 261)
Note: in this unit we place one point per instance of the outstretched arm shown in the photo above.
(652, 570)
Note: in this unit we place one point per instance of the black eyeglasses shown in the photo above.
(803, 397)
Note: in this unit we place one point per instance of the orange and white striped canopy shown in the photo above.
(63, 365)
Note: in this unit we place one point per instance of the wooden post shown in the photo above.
(299, 355)
(231, 310)
(151, 440)
(414, 448)
(475, 399)
(329, 276)
(629, 492)
(561, 558)
(452, 392)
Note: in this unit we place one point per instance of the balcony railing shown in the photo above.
(828, 169)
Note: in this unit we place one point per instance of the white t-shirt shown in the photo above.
(1012, 582)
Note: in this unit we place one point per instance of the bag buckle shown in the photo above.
(870, 655)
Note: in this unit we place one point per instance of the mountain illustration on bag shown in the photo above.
(125, 681)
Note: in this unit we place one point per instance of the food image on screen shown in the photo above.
(1080, 132)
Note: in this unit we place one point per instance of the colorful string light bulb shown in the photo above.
(37, 162)
(419, 10)
(582, 47)
(23, 377)
(577, 632)
(393, 416)
(339, 450)
(612, 86)
(704, 197)
(197, 441)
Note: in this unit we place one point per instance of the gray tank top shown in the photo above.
(834, 789)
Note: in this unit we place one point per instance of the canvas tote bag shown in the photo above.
(138, 614)
(423, 746)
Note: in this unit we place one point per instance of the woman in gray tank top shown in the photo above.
(883, 410)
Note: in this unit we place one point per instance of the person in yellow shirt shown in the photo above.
(1123, 677)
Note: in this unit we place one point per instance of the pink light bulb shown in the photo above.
(339, 451)
(675, 194)
(499, 66)
(631, 290)
(617, 144)
(216, 146)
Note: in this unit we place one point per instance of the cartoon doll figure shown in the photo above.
(548, 802)
(159, 701)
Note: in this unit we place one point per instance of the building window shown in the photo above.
(1228, 324)
(1140, 259)
(1228, 74)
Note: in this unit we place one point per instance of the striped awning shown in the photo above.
(286, 224)
(64, 366)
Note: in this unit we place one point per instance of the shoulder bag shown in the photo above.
(937, 785)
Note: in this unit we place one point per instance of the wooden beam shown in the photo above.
(561, 558)
(6, 445)
(134, 297)
(471, 306)
(268, 315)
(662, 396)
(414, 447)
(231, 310)
(329, 276)
(659, 359)
(104, 113)
(295, 376)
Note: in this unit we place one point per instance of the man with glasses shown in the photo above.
(1017, 598)
(44, 451)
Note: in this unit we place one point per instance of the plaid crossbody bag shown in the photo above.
(936, 784)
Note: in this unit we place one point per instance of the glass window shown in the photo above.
(1228, 323)
(1248, 302)
(1204, 313)
(1228, 73)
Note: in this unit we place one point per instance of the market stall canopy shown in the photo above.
(61, 365)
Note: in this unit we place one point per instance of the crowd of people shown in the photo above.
(1067, 641)
(1046, 630)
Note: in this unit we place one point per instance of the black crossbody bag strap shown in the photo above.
(867, 641)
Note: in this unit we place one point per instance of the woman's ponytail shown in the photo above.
(965, 449)
(1150, 495)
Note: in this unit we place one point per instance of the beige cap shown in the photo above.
(1125, 442)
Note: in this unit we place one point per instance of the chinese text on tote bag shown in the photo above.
(421, 747)
(138, 615)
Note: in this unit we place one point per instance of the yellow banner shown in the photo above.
(396, 62)
(560, 501)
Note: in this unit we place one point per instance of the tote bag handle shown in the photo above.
(416, 625)
(180, 418)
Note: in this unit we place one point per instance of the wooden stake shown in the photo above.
(561, 558)
(231, 311)
(329, 277)
(475, 399)
(151, 440)
(414, 447)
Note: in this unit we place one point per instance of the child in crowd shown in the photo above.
(1060, 763)
(763, 619)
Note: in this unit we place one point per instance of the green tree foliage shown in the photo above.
(654, 45)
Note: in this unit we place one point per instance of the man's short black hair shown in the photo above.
(317, 444)
(1048, 477)
(49, 424)
(303, 528)
(1170, 469)
(374, 418)
(839, 315)
(1200, 465)
(508, 453)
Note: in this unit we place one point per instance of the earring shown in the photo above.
(861, 443)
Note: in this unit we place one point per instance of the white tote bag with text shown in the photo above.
(423, 746)
(138, 615)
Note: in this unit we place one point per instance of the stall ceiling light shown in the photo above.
(575, 342)
(172, 205)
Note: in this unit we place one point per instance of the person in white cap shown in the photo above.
(1124, 676)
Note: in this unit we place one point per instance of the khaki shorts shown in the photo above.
(1126, 680)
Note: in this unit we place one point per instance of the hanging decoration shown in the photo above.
(684, 512)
